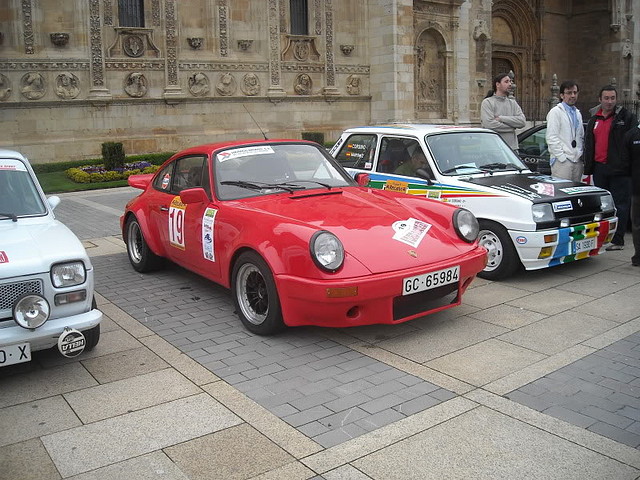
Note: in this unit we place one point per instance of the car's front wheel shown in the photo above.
(502, 258)
(91, 338)
(140, 255)
(255, 295)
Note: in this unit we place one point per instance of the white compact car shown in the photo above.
(46, 277)
(525, 218)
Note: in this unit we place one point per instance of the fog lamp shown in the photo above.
(545, 252)
(30, 311)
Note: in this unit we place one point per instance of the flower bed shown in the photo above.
(97, 173)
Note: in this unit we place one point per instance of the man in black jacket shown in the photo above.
(603, 155)
(631, 156)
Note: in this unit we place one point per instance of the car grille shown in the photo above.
(424, 302)
(9, 292)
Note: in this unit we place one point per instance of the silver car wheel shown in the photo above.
(495, 250)
(252, 295)
(135, 242)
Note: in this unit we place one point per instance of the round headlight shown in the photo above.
(466, 225)
(30, 311)
(327, 251)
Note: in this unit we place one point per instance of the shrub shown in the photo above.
(317, 137)
(113, 155)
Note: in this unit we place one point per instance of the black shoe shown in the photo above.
(614, 246)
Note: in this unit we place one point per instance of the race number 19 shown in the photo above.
(176, 223)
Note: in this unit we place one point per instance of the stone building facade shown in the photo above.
(160, 75)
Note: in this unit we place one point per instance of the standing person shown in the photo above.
(603, 155)
(631, 157)
(500, 113)
(565, 135)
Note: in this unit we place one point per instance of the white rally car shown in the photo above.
(46, 278)
(525, 218)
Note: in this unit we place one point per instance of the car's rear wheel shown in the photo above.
(91, 338)
(502, 258)
(140, 255)
(255, 295)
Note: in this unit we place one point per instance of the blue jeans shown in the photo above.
(620, 188)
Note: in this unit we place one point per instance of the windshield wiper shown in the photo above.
(259, 185)
(461, 167)
(325, 185)
(12, 216)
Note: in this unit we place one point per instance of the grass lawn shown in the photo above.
(58, 182)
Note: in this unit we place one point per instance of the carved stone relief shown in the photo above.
(97, 66)
(199, 84)
(67, 86)
(223, 11)
(430, 77)
(300, 48)
(133, 43)
(135, 85)
(303, 84)
(250, 84)
(27, 25)
(226, 85)
(353, 84)
(33, 86)
(5, 88)
(108, 12)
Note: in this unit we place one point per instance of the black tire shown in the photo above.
(502, 258)
(91, 338)
(255, 295)
(140, 255)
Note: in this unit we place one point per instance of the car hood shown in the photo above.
(535, 187)
(366, 222)
(31, 246)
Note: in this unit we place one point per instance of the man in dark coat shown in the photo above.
(603, 155)
(631, 156)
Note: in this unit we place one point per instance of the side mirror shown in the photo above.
(54, 201)
(422, 173)
(362, 179)
(194, 195)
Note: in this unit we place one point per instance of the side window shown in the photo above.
(395, 155)
(188, 173)
(535, 144)
(162, 181)
(358, 152)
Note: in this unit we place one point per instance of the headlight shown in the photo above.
(327, 251)
(31, 311)
(606, 203)
(466, 225)
(68, 274)
(542, 212)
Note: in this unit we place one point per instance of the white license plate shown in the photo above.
(13, 354)
(427, 281)
(585, 245)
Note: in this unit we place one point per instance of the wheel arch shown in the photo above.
(152, 241)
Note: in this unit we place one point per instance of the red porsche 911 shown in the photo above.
(297, 240)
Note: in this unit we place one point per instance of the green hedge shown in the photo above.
(153, 158)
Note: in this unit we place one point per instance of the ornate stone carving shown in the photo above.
(275, 22)
(195, 42)
(155, 12)
(133, 42)
(347, 49)
(27, 25)
(33, 86)
(223, 67)
(226, 85)
(172, 44)
(222, 26)
(330, 88)
(353, 84)
(244, 45)
(67, 86)
(317, 14)
(133, 65)
(108, 12)
(5, 88)
(481, 31)
(303, 84)
(627, 49)
(300, 48)
(59, 39)
(199, 84)
(135, 85)
(250, 84)
(95, 33)
(555, 91)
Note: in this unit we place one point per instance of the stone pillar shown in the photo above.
(275, 90)
(98, 90)
(172, 90)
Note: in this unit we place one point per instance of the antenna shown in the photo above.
(254, 121)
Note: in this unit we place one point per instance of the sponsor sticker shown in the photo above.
(396, 186)
(410, 231)
(165, 181)
(521, 240)
(13, 165)
(562, 206)
(435, 194)
(547, 179)
(3, 257)
(544, 189)
(244, 152)
(208, 221)
(585, 188)
(177, 211)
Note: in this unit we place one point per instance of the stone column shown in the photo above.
(98, 90)
(172, 90)
(330, 68)
(275, 90)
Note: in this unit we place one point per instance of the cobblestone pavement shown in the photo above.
(537, 376)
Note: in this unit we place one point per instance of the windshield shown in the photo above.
(18, 194)
(462, 153)
(276, 168)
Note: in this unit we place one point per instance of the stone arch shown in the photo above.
(515, 36)
(432, 62)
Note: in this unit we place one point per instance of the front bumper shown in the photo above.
(46, 336)
(548, 248)
(379, 297)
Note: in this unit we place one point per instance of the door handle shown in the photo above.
(164, 209)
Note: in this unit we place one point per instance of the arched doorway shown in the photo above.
(430, 76)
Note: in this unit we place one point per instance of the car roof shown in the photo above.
(12, 154)
(211, 147)
(415, 129)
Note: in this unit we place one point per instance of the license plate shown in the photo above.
(585, 245)
(427, 281)
(13, 354)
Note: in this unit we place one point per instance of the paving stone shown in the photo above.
(570, 416)
(308, 401)
(416, 405)
(380, 419)
(617, 434)
(344, 417)
(381, 403)
(307, 416)
(26, 460)
(607, 417)
(348, 401)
